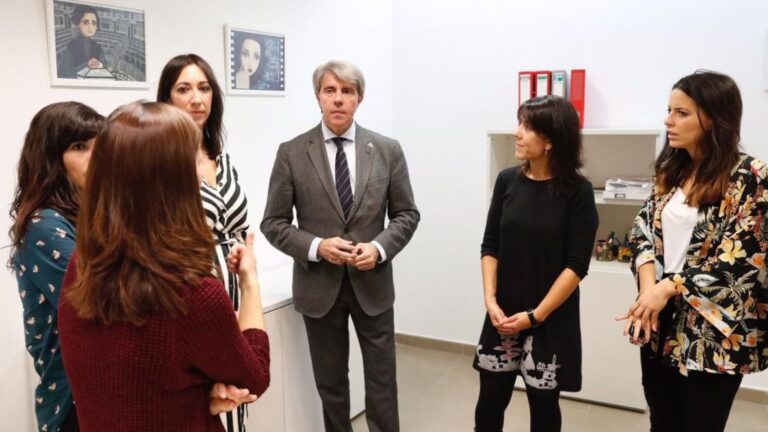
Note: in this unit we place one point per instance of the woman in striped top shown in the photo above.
(188, 82)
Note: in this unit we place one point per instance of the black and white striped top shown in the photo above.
(226, 212)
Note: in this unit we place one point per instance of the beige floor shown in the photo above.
(438, 391)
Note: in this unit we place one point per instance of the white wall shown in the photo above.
(439, 74)
(456, 66)
(316, 31)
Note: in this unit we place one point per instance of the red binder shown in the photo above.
(578, 91)
(526, 86)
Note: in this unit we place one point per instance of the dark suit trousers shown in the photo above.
(329, 348)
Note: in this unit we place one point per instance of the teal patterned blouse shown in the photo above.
(40, 262)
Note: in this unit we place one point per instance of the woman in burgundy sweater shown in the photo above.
(146, 328)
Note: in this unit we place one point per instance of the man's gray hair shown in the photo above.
(344, 71)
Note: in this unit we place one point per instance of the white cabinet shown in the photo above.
(611, 365)
(267, 413)
(292, 397)
(303, 410)
(291, 404)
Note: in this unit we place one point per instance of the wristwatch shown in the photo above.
(532, 318)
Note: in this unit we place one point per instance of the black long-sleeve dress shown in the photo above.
(536, 233)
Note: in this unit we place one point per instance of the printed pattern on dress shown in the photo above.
(40, 263)
(511, 357)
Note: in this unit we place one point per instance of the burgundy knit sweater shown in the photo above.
(156, 377)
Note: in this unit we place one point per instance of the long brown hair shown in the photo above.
(42, 180)
(718, 97)
(141, 232)
(213, 131)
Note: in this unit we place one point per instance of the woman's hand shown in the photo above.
(638, 330)
(242, 259)
(515, 324)
(496, 314)
(225, 398)
(507, 325)
(644, 312)
(93, 63)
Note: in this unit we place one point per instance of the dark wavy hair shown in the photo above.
(80, 11)
(717, 96)
(213, 131)
(555, 119)
(42, 180)
(141, 232)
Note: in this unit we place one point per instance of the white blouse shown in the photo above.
(677, 222)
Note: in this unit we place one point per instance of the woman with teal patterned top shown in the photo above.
(51, 174)
(700, 243)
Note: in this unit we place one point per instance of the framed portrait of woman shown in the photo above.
(93, 45)
(255, 62)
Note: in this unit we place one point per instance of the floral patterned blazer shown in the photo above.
(719, 320)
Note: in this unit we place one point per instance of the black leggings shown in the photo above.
(699, 402)
(495, 394)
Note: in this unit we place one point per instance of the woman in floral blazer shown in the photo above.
(699, 244)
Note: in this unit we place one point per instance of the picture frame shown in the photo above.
(96, 45)
(255, 62)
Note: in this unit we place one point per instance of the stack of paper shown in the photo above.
(628, 188)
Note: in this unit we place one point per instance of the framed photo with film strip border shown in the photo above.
(255, 62)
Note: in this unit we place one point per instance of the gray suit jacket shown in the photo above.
(301, 178)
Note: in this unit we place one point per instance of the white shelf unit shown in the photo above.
(609, 267)
(610, 364)
(611, 201)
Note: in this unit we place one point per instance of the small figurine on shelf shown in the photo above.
(599, 248)
(603, 251)
(614, 243)
(625, 251)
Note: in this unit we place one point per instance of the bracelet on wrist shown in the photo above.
(532, 318)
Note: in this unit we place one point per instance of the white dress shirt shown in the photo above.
(349, 152)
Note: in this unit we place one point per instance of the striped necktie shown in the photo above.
(343, 185)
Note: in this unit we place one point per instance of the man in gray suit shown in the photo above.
(343, 180)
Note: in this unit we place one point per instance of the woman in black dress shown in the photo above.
(536, 248)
